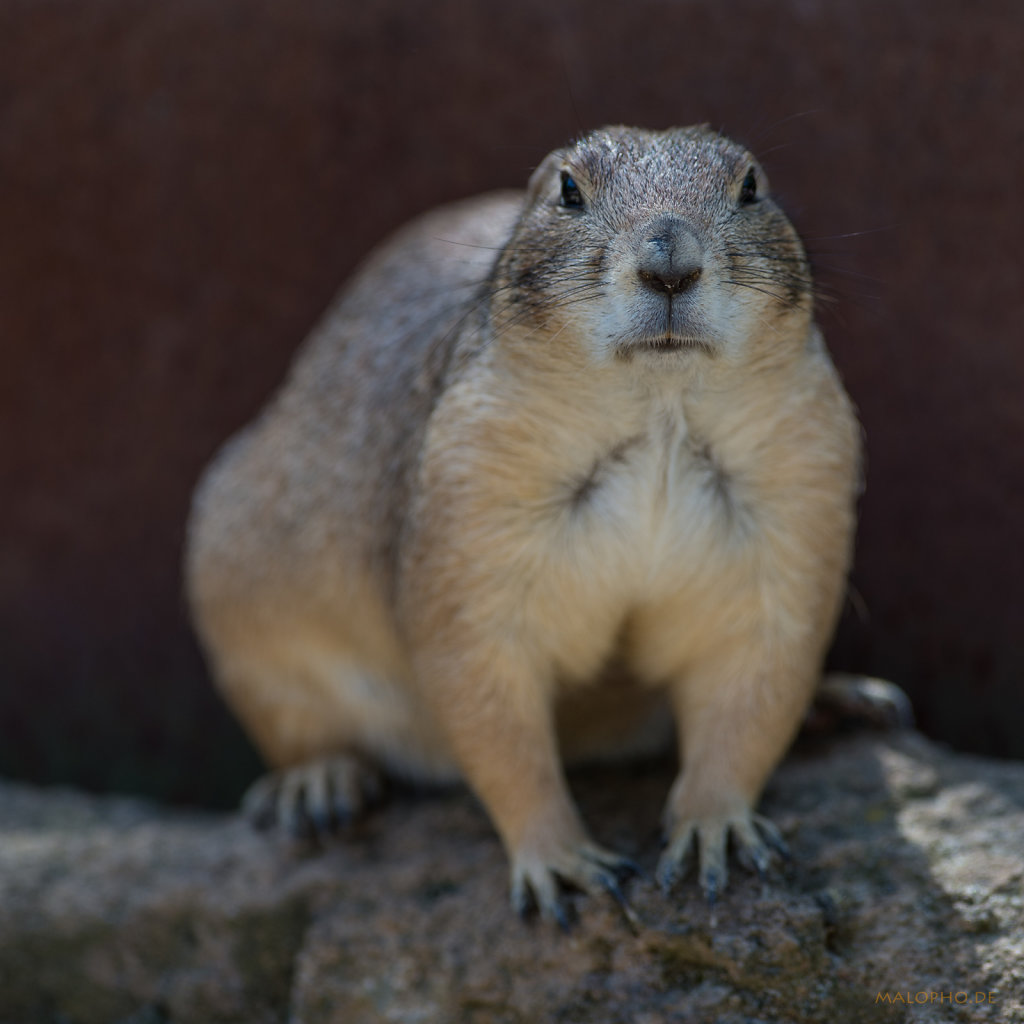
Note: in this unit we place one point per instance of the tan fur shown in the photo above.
(479, 528)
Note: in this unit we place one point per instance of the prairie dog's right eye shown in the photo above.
(571, 195)
(748, 190)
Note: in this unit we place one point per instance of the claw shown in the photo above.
(552, 908)
(773, 837)
(751, 850)
(522, 902)
(755, 858)
(666, 876)
(614, 890)
(610, 884)
(712, 883)
(561, 918)
(315, 799)
(761, 864)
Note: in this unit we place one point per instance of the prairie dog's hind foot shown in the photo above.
(755, 840)
(315, 799)
(845, 698)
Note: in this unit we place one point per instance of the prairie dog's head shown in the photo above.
(661, 247)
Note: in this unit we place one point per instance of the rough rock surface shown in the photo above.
(905, 887)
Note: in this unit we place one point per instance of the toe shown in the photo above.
(751, 850)
(609, 881)
(756, 841)
(259, 802)
(315, 798)
(535, 887)
(772, 836)
(354, 787)
(538, 880)
(291, 804)
(677, 857)
(345, 793)
(318, 800)
(713, 874)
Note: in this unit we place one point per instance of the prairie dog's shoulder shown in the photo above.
(385, 340)
(428, 269)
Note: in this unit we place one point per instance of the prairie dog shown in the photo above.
(538, 435)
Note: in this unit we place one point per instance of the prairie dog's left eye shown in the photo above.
(748, 190)
(571, 195)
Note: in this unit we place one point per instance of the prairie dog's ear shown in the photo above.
(544, 173)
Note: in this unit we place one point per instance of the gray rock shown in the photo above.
(903, 903)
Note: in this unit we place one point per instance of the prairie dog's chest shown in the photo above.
(579, 520)
(616, 524)
(660, 496)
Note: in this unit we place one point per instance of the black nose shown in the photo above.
(670, 259)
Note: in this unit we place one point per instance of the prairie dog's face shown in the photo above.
(664, 247)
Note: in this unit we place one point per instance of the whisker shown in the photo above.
(784, 299)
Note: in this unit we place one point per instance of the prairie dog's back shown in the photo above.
(327, 462)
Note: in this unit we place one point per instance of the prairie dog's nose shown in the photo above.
(670, 259)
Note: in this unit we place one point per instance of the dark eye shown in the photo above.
(571, 195)
(748, 190)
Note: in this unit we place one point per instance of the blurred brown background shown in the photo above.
(183, 185)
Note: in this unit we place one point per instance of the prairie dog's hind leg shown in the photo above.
(329, 728)
(864, 700)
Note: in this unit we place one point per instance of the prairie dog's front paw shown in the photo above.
(536, 878)
(755, 839)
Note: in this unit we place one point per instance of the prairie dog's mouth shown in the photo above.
(663, 343)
